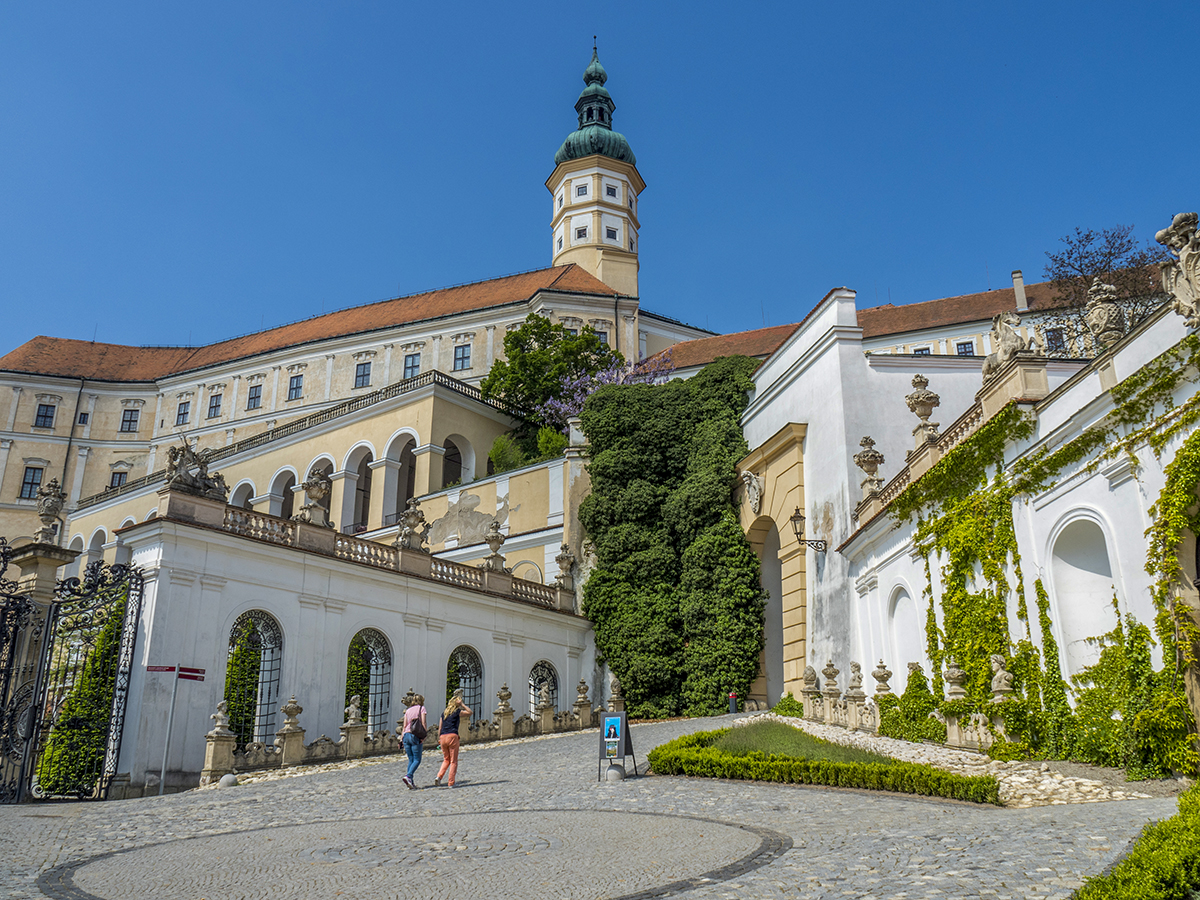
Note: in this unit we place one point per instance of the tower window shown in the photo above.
(254, 397)
(412, 365)
(611, 190)
(601, 114)
(560, 243)
(118, 479)
(45, 416)
(560, 201)
(581, 233)
(610, 233)
(631, 245)
(590, 114)
(83, 418)
(462, 357)
(183, 412)
(581, 190)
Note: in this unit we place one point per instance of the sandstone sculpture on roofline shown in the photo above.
(1181, 275)
(1008, 343)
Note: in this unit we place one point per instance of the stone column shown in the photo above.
(341, 503)
(384, 478)
(428, 462)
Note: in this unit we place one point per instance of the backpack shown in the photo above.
(418, 730)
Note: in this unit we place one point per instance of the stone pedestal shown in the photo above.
(413, 562)
(1024, 378)
(39, 565)
(504, 718)
(545, 719)
(218, 757)
(355, 739)
(316, 538)
(184, 507)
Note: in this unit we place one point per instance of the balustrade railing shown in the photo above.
(356, 550)
(533, 592)
(456, 573)
(259, 526)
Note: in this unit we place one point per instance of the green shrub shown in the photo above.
(695, 756)
(506, 454)
(1164, 863)
(776, 738)
(550, 442)
(908, 717)
(789, 706)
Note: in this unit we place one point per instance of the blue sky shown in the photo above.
(182, 173)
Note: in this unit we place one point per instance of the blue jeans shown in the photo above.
(413, 748)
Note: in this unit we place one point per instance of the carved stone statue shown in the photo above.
(754, 491)
(544, 696)
(494, 561)
(855, 692)
(922, 402)
(221, 719)
(566, 566)
(869, 460)
(1002, 679)
(810, 679)
(831, 673)
(354, 711)
(504, 695)
(581, 691)
(50, 500)
(956, 679)
(1105, 318)
(291, 716)
(882, 675)
(413, 529)
(181, 461)
(1007, 341)
(317, 488)
(1181, 275)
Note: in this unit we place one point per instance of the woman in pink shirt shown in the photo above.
(414, 715)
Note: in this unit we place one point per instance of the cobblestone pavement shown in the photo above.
(530, 817)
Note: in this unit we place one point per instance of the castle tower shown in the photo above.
(595, 187)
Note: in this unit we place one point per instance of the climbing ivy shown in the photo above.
(241, 683)
(358, 671)
(675, 596)
(964, 512)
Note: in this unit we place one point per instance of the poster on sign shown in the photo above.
(615, 740)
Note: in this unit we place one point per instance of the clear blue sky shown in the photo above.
(180, 173)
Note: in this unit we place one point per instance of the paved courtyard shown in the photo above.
(529, 819)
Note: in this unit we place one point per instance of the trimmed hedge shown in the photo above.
(1164, 864)
(693, 755)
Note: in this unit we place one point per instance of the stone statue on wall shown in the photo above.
(181, 461)
(494, 561)
(317, 488)
(1002, 679)
(50, 501)
(1181, 275)
(869, 460)
(1007, 341)
(413, 528)
(1105, 318)
(922, 403)
(463, 519)
(754, 491)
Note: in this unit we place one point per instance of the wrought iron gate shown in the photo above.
(64, 680)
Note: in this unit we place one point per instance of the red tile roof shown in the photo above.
(114, 362)
(878, 321)
(761, 342)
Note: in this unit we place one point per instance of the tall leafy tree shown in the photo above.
(675, 598)
(1117, 258)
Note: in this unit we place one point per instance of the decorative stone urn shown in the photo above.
(1105, 318)
(882, 674)
(922, 402)
(504, 695)
(869, 460)
(956, 680)
(566, 567)
(50, 500)
(291, 716)
(831, 673)
(494, 562)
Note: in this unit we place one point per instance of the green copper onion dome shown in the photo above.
(595, 135)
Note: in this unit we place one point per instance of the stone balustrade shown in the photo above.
(854, 711)
(222, 755)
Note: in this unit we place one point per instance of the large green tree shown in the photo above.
(675, 598)
(540, 357)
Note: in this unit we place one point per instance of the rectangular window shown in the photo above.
(631, 245)
(560, 201)
(1054, 340)
(295, 387)
(965, 348)
(214, 406)
(129, 420)
(580, 233)
(610, 190)
(83, 418)
(254, 397)
(462, 357)
(610, 233)
(921, 351)
(412, 365)
(45, 416)
(573, 332)
(603, 335)
(183, 412)
(560, 243)
(118, 479)
(581, 190)
(31, 483)
(362, 375)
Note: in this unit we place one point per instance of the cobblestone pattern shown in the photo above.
(843, 843)
(1022, 784)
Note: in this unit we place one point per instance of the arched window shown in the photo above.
(542, 674)
(464, 670)
(452, 466)
(369, 675)
(252, 676)
(908, 637)
(1083, 592)
(287, 507)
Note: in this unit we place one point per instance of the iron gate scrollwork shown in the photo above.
(20, 623)
(82, 687)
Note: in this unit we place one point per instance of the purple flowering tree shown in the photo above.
(573, 392)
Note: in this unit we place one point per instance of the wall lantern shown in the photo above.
(798, 527)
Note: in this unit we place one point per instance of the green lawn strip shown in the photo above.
(780, 739)
(1164, 863)
(696, 755)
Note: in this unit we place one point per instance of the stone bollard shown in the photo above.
(583, 706)
(221, 742)
(290, 737)
(504, 712)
